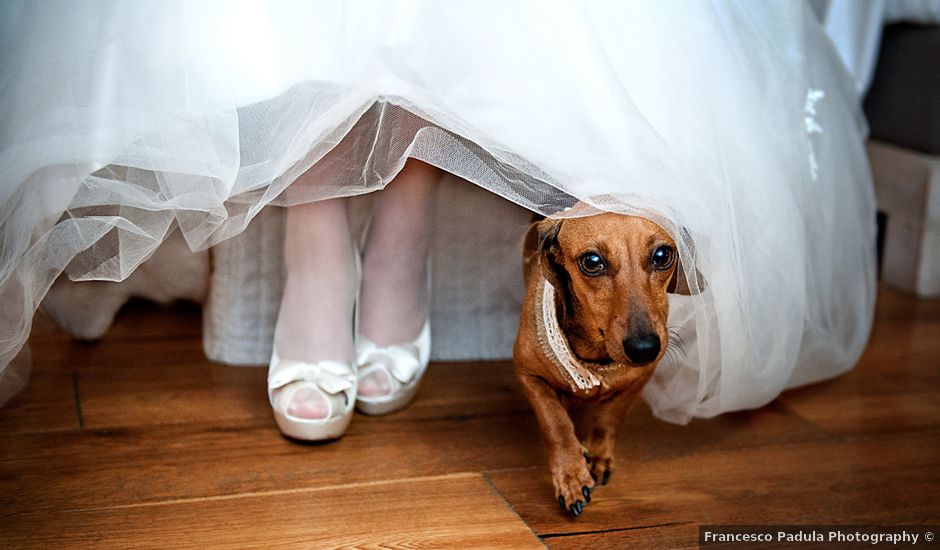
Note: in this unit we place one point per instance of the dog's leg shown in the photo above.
(566, 457)
(607, 422)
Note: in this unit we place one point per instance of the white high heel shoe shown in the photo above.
(329, 379)
(403, 364)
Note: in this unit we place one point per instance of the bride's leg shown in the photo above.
(315, 319)
(394, 299)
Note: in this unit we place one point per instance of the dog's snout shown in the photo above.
(641, 348)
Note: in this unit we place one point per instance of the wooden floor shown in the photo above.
(139, 442)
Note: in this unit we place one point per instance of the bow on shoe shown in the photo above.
(400, 361)
(331, 376)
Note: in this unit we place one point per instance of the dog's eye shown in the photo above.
(663, 258)
(592, 264)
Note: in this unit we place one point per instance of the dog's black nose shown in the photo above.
(641, 348)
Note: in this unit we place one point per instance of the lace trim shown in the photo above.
(555, 345)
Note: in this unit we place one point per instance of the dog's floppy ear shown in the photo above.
(679, 283)
(549, 252)
(550, 262)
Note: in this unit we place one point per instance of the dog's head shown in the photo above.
(612, 273)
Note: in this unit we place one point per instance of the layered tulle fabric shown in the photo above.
(731, 124)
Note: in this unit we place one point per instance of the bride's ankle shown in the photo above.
(394, 307)
(315, 321)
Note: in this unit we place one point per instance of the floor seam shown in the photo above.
(299, 490)
(616, 530)
(512, 508)
(78, 400)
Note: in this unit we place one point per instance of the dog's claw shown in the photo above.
(587, 493)
(606, 477)
(576, 508)
(561, 502)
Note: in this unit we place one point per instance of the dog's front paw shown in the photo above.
(573, 484)
(602, 466)
(600, 459)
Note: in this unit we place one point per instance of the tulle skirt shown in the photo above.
(731, 124)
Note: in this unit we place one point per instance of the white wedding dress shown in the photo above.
(731, 124)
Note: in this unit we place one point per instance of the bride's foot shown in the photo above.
(394, 336)
(311, 379)
(389, 376)
(314, 324)
(395, 298)
(312, 401)
(391, 365)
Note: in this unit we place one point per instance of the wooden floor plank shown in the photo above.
(885, 479)
(127, 466)
(657, 536)
(144, 320)
(48, 402)
(177, 385)
(841, 409)
(401, 514)
(131, 383)
(896, 385)
(171, 382)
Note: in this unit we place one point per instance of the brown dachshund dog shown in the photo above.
(593, 327)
